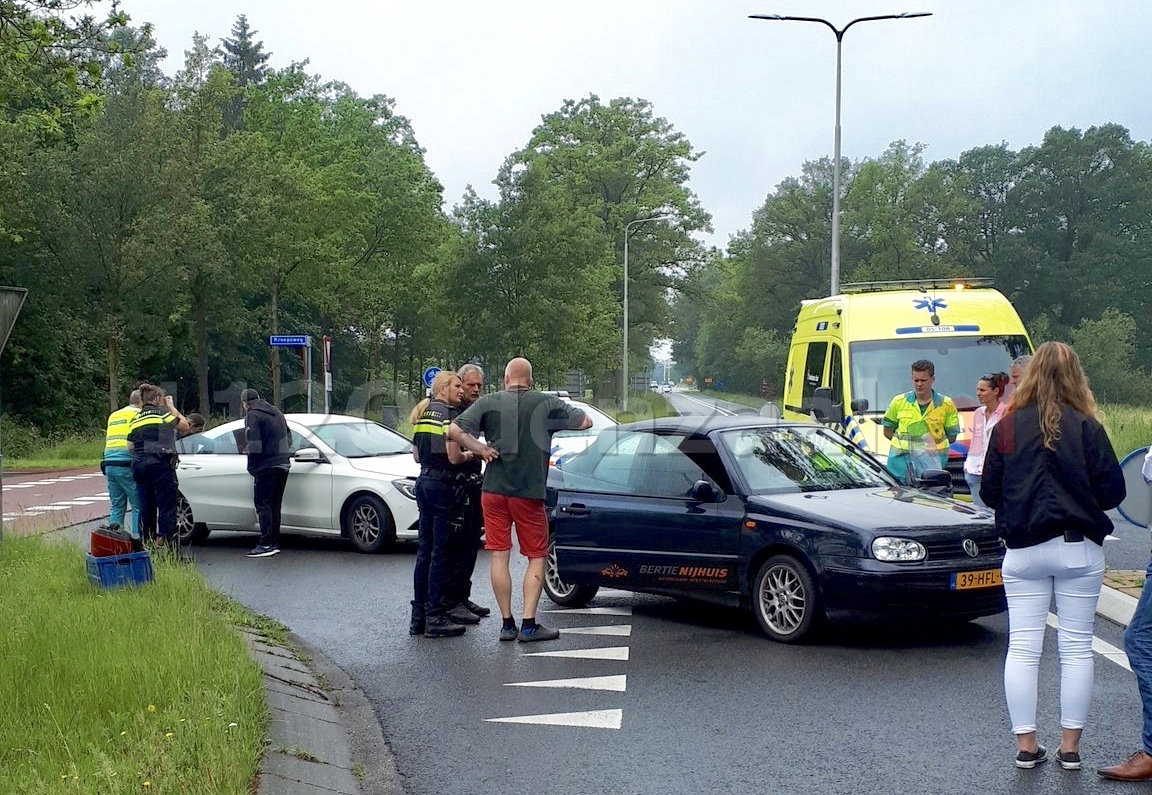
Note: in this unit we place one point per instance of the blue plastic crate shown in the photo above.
(114, 571)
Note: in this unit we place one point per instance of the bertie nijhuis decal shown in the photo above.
(689, 575)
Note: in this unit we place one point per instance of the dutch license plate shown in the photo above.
(985, 578)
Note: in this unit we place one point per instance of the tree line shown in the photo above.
(1062, 228)
(165, 226)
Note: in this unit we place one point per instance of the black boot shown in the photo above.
(441, 627)
(418, 622)
(459, 614)
(476, 609)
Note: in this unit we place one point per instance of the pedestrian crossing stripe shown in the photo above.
(609, 653)
(594, 719)
(594, 611)
(616, 683)
(619, 630)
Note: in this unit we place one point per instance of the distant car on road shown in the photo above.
(666, 388)
(786, 518)
(350, 477)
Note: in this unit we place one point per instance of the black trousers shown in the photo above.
(268, 496)
(159, 492)
(464, 544)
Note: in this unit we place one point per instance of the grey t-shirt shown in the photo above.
(519, 423)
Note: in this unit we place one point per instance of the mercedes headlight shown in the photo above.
(407, 487)
(898, 550)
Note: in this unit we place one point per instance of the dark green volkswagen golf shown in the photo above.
(786, 518)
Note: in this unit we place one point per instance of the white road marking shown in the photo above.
(1105, 650)
(616, 683)
(712, 406)
(621, 630)
(594, 611)
(75, 502)
(52, 507)
(609, 653)
(596, 719)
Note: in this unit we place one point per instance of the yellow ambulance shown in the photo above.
(852, 353)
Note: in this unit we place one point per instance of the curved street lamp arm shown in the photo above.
(839, 32)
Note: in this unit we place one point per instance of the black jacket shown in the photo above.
(1037, 493)
(269, 440)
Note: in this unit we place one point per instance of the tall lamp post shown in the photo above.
(839, 33)
(627, 234)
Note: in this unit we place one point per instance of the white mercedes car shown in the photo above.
(566, 444)
(350, 477)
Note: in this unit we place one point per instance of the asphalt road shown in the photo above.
(651, 695)
(694, 698)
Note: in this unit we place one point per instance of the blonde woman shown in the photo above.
(1050, 474)
(435, 497)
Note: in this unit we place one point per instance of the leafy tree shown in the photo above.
(51, 65)
(1107, 350)
(553, 245)
(181, 230)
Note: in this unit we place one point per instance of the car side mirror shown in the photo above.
(308, 455)
(823, 408)
(936, 481)
(859, 405)
(703, 491)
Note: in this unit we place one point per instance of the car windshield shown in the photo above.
(787, 459)
(361, 439)
(600, 421)
(881, 369)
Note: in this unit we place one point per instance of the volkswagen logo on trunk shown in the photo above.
(971, 548)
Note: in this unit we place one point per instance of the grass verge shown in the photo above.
(1129, 427)
(132, 690)
(70, 453)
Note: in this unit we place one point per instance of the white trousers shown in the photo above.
(1073, 572)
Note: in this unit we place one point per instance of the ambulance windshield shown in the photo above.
(882, 369)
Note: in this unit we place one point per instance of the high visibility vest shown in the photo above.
(912, 427)
(116, 437)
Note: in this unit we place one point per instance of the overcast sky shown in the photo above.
(757, 97)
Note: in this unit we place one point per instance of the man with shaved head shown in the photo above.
(517, 424)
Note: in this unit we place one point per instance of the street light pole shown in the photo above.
(624, 363)
(839, 33)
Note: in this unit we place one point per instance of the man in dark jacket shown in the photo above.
(269, 444)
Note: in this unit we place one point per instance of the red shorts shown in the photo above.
(501, 511)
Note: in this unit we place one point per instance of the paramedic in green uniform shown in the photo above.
(920, 424)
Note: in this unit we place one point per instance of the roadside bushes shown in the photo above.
(18, 439)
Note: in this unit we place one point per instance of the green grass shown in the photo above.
(1129, 427)
(131, 690)
(69, 453)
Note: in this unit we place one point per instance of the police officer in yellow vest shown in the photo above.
(152, 442)
(921, 424)
(117, 465)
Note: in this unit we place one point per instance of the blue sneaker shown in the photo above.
(264, 552)
(537, 632)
